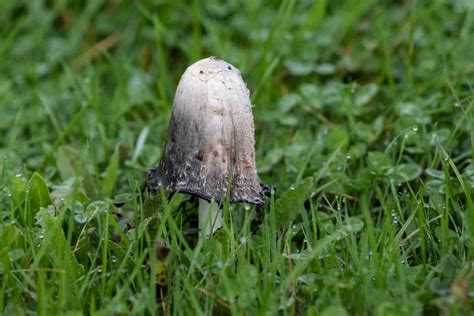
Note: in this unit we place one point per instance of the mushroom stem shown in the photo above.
(210, 217)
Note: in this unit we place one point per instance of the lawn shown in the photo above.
(364, 130)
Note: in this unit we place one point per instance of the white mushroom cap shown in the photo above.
(211, 136)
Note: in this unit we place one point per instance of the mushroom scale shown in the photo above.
(210, 137)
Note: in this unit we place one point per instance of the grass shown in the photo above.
(364, 127)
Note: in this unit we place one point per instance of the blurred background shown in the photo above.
(323, 74)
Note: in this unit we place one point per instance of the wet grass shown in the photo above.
(364, 126)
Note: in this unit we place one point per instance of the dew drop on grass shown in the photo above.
(292, 187)
(18, 175)
(426, 205)
(247, 207)
(243, 240)
(348, 157)
(99, 270)
(456, 104)
(41, 237)
(394, 217)
(114, 259)
(415, 128)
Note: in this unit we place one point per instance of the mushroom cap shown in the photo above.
(210, 137)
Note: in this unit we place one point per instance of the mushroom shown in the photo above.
(210, 141)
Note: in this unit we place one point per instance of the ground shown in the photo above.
(364, 123)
